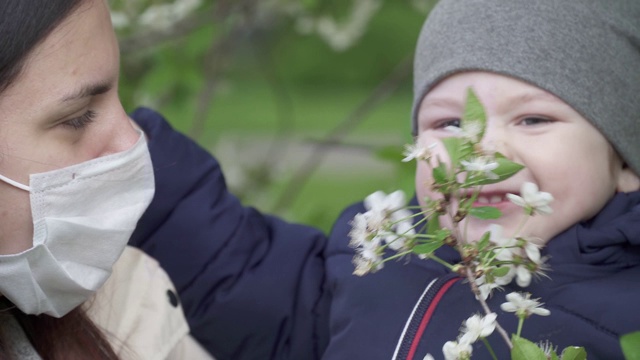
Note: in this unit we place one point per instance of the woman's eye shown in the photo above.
(529, 121)
(81, 122)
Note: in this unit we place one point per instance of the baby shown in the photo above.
(559, 82)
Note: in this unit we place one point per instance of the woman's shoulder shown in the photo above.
(138, 309)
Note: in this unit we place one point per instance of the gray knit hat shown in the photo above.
(586, 52)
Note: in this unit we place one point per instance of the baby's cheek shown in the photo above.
(423, 182)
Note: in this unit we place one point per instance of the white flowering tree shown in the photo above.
(193, 59)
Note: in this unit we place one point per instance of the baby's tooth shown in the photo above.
(483, 200)
(495, 199)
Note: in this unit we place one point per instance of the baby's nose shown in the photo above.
(495, 140)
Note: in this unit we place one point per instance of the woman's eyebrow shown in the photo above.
(88, 90)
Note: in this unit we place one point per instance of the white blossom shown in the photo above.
(164, 16)
(520, 272)
(359, 230)
(417, 152)
(428, 357)
(119, 20)
(365, 238)
(477, 327)
(368, 257)
(364, 266)
(523, 305)
(481, 164)
(381, 202)
(508, 244)
(484, 287)
(453, 350)
(395, 222)
(469, 130)
(523, 276)
(508, 249)
(533, 252)
(397, 239)
(532, 199)
(385, 221)
(341, 36)
(517, 251)
(547, 347)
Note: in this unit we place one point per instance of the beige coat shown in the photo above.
(140, 314)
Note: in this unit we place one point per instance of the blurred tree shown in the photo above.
(295, 97)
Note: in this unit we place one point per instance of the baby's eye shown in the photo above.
(448, 123)
(535, 120)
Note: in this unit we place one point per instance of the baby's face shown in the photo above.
(561, 151)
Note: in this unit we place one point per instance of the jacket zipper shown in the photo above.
(421, 315)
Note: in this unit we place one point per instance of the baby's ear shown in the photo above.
(628, 181)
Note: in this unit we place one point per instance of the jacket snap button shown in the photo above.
(173, 298)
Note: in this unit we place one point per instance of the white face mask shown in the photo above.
(83, 216)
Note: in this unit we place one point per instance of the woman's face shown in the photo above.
(61, 110)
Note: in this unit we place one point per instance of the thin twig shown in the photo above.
(215, 61)
(142, 40)
(149, 39)
(485, 307)
(387, 87)
(472, 279)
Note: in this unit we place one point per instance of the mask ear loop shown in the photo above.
(15, 183)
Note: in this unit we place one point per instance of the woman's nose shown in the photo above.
(123, 135)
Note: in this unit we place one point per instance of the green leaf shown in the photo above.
(433, 225)
(524, 349)
(485, 212)
(453, 146)
(630, 344)
(466, 150)
(484, 240)
(441, 234)
(428, 247)
(474, 111)
(506, 169)
(440, 174)
(574, 353)
(500, 271)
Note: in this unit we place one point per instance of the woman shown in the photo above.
(76, 176)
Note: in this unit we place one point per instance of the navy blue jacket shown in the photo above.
(251, 285)
(411, 307)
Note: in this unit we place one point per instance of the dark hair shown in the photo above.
(23, 25)
(73, 336)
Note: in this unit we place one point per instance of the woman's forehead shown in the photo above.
(81, 50)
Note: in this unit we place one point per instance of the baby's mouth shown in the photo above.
(491, 199)
(496, 199)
